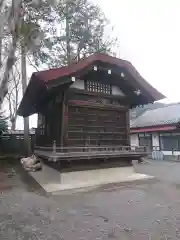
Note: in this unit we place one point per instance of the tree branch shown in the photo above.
(33, 65)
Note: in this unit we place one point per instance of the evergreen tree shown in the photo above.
(81, 31)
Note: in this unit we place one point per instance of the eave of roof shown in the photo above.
(153, 129)
(52, 74)
(49, 76)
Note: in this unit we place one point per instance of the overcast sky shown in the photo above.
(149, 35)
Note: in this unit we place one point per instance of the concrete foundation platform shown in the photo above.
(53, 181)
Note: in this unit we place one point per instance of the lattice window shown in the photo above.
(95, 86)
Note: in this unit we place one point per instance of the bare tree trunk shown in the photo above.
(13, 123)
(68, 48)
(9, 65)
(1, 34)
(12, 48)
(0, 52)
(24, 85)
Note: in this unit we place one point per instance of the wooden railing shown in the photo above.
(88, 152)
(54, 148)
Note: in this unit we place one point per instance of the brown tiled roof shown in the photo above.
(37, 88)
(52, 74)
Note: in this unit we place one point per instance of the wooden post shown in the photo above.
(54, 151)
(128, 127)
(63, 119)
(66, 126)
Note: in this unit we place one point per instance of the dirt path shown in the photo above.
(8, 177)
(146, 210)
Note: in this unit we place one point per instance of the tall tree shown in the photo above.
(31, 36)
(18, 17)
(11, 22)
(21, 35)
(13, 95)
(81, 32)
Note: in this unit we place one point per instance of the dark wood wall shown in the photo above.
(84, 119)
(88, 125)
(97, 119)
(50, 124)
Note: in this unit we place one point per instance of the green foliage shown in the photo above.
(38, 21)
(80, 32)
(57, 34)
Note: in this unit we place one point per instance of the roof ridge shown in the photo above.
(163, 106)
(163, 115)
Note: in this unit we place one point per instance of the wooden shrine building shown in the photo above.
(86, 104)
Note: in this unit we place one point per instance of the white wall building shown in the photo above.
(158, 129)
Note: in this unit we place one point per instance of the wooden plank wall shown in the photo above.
(93, 126)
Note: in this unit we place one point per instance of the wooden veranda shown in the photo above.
(84, 109)
(71, 158)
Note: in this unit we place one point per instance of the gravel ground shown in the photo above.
(140, 210)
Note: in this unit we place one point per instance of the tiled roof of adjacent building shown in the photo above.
(169, 114)
(138, 111)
